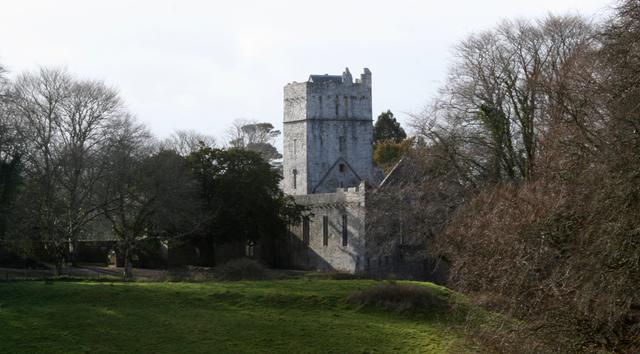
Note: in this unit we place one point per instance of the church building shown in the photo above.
(328, 166)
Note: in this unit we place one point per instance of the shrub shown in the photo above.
(242, 269)
(190, 273)
(402, 298)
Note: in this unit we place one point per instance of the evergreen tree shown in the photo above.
(241, 197)
(387, 128)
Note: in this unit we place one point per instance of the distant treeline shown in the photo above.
(76, 165)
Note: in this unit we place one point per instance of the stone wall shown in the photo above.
(310, 251)
(294, 133)
(327, 123)
(326, 149)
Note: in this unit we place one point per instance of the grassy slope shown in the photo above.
(286, 316)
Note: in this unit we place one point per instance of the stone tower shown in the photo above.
(327, 133)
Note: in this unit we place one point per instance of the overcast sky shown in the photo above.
(201, 64)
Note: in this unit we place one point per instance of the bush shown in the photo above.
(190, 273)
(560, 256)
(242, 269)
(402, 298)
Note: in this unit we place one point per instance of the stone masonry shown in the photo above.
(333, 237)
(327, 133)
(327, 164)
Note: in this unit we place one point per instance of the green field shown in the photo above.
(281, 316)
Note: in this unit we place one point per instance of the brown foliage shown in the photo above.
(401, 298)
(560, 249)
(564, 257)
(387, 153)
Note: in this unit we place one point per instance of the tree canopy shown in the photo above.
(75, 165)
(255, 136)
(387, 128)
(387, 153)
(240, 196)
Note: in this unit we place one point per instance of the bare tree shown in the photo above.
(38, 102)
(83, 127)
(185, 142)
(146, 193)
(64, 125)
(499, 95)
(123, 203)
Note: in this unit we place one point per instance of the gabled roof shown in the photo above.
(334, 167)
(325, 78)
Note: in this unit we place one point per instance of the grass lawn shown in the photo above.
(281, 316)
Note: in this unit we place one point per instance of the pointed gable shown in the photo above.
(339, 175)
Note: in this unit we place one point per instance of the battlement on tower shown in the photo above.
(327, 133)
(329, 97)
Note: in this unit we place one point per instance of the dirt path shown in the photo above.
(80, 271)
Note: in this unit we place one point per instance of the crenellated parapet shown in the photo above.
(328, 132)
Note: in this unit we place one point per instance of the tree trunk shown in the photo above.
(208, 256)
(59, 258)
(128, 265)
(128, 268)
(73, 246)
(58, 268)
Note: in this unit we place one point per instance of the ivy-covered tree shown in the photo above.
(387, 153)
